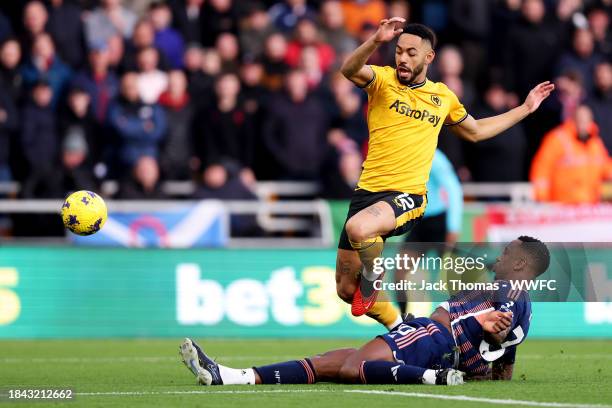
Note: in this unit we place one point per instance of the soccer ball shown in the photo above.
(84, 212)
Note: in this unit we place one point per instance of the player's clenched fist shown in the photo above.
(388, 29)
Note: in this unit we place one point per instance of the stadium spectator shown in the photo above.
(307, 35)
(99, 81)
(601, 102)
(599, 22)
(35, 17)
(294, 130)
(10, 74)
(570, 93)
(40, 144)
(286, 14)
(142, 182)
(333, 31)
(274, 63)
(66, 27)
(167, 40)
(219, 17)
(581, 59)
(6, 29)
(109, 19)
(309, 62)
(256, 28)
(471, 22)
(358, 13)
(151, 80)
(572, 162)
(116, 51)
(226, 135)
(199, 83)
(44, 64)
(450, 66)
(229, 52)
(188, 19)
(509, 147)
(140, 126)
(143, 37)
(9, 124)
(79, 150)
(177, 149)
(532, 49)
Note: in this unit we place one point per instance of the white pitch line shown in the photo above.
(479, 399)
(138, 393)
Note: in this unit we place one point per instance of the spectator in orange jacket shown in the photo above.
(572, 162)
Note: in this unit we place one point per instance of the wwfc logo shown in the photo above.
(403, 109)
(436, 99)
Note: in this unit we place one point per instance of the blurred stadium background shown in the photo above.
(226, 145)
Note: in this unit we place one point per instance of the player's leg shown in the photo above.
(348, 272)
(322, 367)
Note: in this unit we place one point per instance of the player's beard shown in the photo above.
(415, 73)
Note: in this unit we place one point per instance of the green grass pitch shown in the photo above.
(134, 373)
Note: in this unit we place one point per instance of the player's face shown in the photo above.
(412, 56)
(509, 262)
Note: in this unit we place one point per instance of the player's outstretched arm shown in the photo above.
(482, 129)
(354, 67)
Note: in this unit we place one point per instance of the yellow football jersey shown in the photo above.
(404, 123)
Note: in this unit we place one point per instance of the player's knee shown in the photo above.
(349, 372)
(356, 231)
(345, 292)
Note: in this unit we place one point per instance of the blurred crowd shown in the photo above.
(228, 92)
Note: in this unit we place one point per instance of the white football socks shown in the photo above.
(232, 376)
(429, 377)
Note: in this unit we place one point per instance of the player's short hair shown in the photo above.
(421, 30)
(537, 251)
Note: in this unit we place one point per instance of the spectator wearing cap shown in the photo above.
(107, 20)
(66, 27)
(286, 14)
(44, 64)
(99, 81)
(307, 35)
(40, 144)
(601, 102)
(139, 126)
(177, 149)
(572, 162)
(167, 39)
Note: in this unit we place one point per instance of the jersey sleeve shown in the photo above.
(456, 112)
(377, 81)
(517, 302)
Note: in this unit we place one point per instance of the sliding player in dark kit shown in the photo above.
(462, 336)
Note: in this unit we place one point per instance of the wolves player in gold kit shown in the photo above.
(406, 112)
